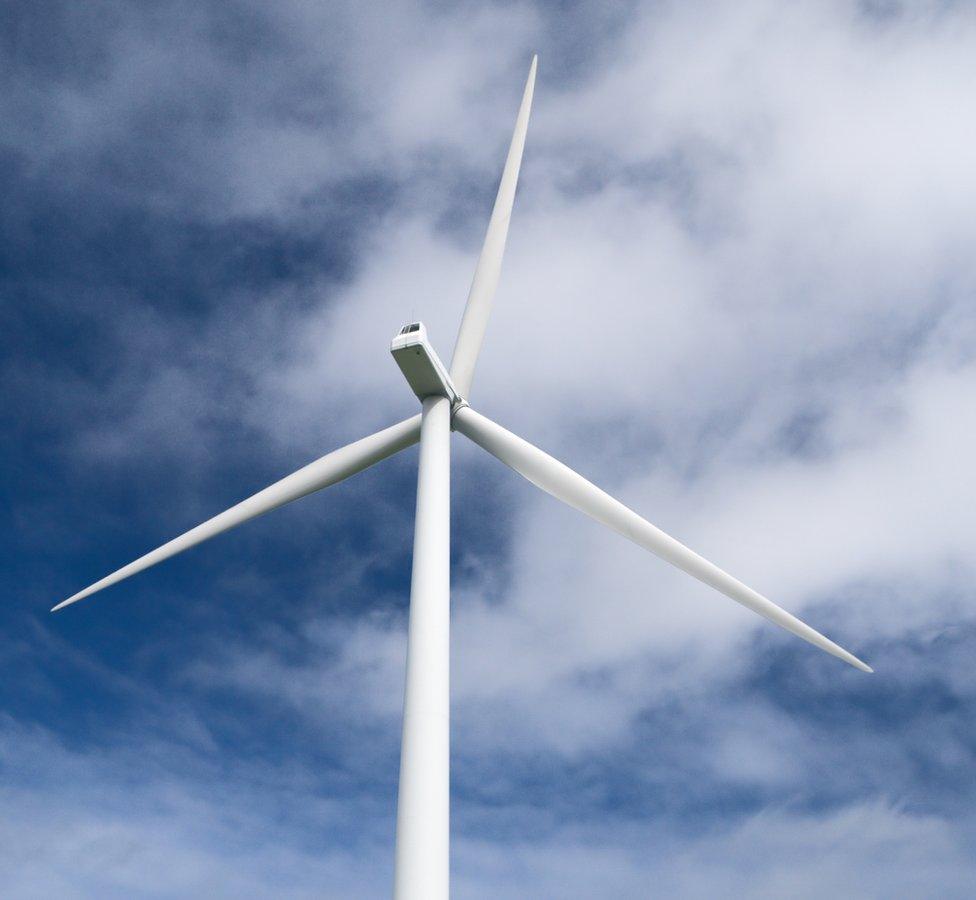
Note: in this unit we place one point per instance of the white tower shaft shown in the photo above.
(423, 803)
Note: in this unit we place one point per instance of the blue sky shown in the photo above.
(738, 295)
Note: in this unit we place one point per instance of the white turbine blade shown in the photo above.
(476, 312)
(327, 470)
(566, 485)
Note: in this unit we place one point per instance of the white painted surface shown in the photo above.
(423, 802)
(471, 334)
(563, 483)
(329, 469)
(420, 364)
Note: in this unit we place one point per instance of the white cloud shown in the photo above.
(147, 822)
(778, 213)
(738, 295)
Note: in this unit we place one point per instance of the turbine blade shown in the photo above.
(573, 489)
(327, 470)
(478, 308)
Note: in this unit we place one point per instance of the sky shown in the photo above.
(738, 295)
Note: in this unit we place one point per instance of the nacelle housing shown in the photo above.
(420, 364)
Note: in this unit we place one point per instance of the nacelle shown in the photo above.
(420, 364)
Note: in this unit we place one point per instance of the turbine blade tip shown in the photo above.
(858, 664)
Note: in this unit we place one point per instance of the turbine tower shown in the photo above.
(422, 827)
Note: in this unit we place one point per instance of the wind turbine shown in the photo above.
(422, 829)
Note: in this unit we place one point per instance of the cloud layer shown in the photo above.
(738, 295)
